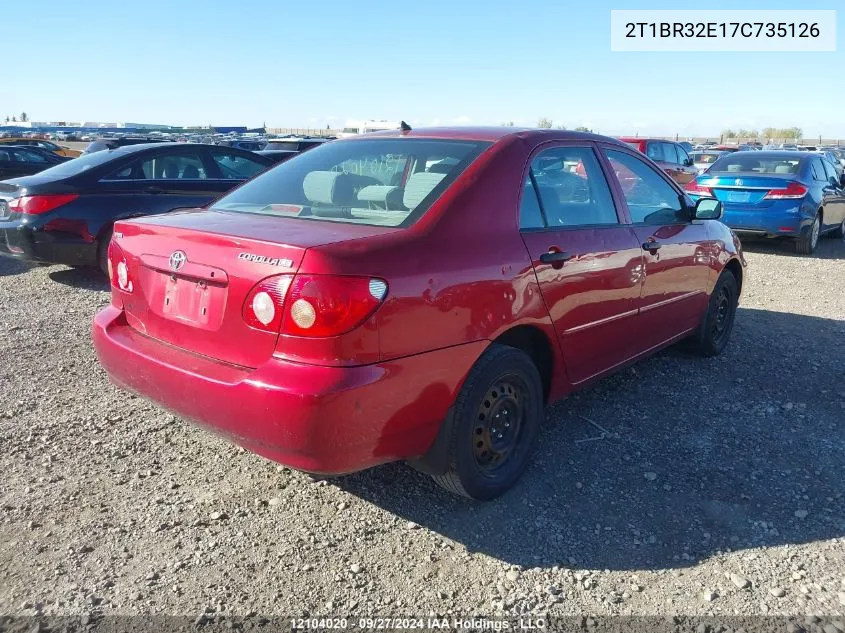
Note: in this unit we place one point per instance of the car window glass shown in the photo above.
(4, 155)
(572, 188)
(237, 166)
(818, 170)
(530, 216)
(651, 200)
(683, 157)
(830, 171)
(669, 154)
(163, 167)
(654, 151)
(25, 156)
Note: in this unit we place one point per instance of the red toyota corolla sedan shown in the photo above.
(415, 295)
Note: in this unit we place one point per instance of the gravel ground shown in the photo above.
(680, 486)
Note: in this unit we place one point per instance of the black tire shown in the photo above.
(809, 239)
(716, 326)
(103, 251)
(503, 388)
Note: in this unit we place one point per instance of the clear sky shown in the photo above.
(318, 62)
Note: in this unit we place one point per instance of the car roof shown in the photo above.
(773, 154)
(491, 134)
(637, 139)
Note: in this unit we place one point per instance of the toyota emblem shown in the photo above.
(177, 260)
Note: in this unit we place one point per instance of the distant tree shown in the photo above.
(794, 133)
(582, 128)
(728, 133)
(560, 127)
(24, 117)
(507, 124)
(7, 118)
(14, 119)
(544, 122)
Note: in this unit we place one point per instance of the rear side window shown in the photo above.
(572, 189)
(654, 151)
(830, 171)
(818, 170)
(234, 166)
(25, 156)
(382, 182)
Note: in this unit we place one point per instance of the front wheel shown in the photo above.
(718, 322)
(103, 252)
(809, 239)
(494, 424)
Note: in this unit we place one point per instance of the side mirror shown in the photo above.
(688, 162)
(708, 209)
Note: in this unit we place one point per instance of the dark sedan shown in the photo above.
(25, 161)
(65, 214)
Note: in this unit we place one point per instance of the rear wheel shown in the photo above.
(809, 238)
(718, 322)
(103, 252)
(494, 423)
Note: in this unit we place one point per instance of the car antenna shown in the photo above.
(404, 127)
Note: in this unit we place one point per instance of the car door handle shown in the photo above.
(651, 246)
(555, 257)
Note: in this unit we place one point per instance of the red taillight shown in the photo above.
(793, 190)
(694, 189)
(34, 205)
(264, 305)
(313, 305)
(119, 269)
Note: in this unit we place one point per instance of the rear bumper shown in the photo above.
(23, 242)
(313, 418)
(785, 219)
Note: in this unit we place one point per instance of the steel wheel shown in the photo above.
(814, 233)
(498, 425)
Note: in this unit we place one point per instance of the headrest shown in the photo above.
(418, 186)
(330, 188)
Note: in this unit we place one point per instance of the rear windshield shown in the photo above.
(382, 182)
(761, 164)
(78, 165)
(704, 158)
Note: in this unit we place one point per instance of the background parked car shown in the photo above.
(65, 214)
(49, 146)
(113, 143)
(671, 157)
(777, 194)
(18, 161)
(702, 159)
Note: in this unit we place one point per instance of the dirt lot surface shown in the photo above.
(717, 488)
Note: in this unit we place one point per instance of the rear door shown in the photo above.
(676, 250)
(687, 170)
(10, 167)
(588, 263)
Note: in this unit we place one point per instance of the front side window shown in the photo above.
(382, 182)
(654, 151)
(650, 199)
(818, 170)
(669, 153)
(234, 166)
(830, 172)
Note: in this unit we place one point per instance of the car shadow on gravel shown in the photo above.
(83, 278)
(668, 462)
(828, 248)
(10, 266)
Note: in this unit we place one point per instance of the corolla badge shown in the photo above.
(264, 259)
(177, 260)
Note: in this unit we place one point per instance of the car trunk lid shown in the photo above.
(744, 188)
(192, 271)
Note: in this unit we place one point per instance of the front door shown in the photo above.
(675, 247)
(588, 264)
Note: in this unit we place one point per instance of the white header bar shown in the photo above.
(723, 30)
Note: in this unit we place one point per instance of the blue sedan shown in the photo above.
(776, 194)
